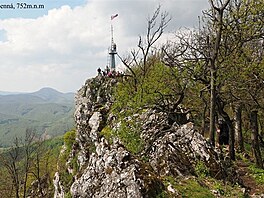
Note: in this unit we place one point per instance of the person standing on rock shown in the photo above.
(107, 70)
(223, 134)
(99, 71)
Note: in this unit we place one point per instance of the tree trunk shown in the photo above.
(254, 138)
(16, 182)
(213, 61)
(212, 105)
(220, 106)
(261, 128)
(239, 141)
(204, 120)
(231, 140)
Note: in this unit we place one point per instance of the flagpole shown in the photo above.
(112, 34)
(112, 29)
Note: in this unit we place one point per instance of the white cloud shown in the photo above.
(66, 46)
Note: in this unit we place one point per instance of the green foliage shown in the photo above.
(64, 163)
(192, 188)
(145, 158)
(67, 179)
(129, 134)
(199, 187)
(219, 188)
(187, 188)
(68, 195)
(54, 144)
(257, 173)
(151, 88)
(108, 134)
(69, 139)
(201, 169)
(226, 189)
(223, 189)
(74, 165)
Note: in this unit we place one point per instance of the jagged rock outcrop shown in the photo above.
(175, 149)
(108, 169)
(58, 187)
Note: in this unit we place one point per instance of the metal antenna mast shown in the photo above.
(112, 51)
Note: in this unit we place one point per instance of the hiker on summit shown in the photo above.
(223, 133)
(99, 71)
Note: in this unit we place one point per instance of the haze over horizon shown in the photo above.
(63, 44)
(3, 92)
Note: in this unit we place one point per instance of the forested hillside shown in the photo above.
(46, 111)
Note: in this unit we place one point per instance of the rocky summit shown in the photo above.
(169, 146)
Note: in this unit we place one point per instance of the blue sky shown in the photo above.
(63, 45)
(34, 13)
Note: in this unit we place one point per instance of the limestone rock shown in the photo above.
(175, 150)
(172, 147)
(113, 172)
(59, 189)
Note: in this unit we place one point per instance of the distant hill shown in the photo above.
(52, 95)
(44, 95)
(47, 111)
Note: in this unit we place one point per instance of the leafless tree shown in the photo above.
(10, 161)
(19, 161)
(146, 46)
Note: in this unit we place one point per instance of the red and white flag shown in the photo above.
(114, 16)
